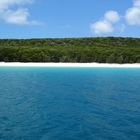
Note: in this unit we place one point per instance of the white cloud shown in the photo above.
(112, 21)
(19, 16)
(106, 25)
(132, 15)
(101, 27)
(112, 16)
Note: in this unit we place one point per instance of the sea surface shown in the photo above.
(69, 104)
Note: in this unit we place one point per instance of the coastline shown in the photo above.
(78, 65)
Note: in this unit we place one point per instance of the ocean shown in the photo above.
(69, 103)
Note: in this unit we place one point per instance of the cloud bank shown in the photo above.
(14, 12)
(132, 15)
(112, 19)
(106, 25)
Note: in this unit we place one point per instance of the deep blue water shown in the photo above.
(69, 104)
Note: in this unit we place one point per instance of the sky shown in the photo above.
(69, 18)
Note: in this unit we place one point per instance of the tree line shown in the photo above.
(82, 50)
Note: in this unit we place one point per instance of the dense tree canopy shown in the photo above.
(102, 50)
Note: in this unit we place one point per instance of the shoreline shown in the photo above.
(78, 65)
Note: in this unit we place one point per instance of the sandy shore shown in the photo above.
(90, 65)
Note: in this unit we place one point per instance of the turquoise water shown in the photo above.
(69, 104)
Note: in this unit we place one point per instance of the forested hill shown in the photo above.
(102, 50)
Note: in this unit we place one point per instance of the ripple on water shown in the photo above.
(69, 103)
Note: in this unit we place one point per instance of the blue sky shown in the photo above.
(69, 18)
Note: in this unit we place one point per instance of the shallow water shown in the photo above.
(69, 104)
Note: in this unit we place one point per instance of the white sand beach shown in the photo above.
(88, 65)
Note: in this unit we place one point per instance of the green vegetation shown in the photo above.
(102, 50)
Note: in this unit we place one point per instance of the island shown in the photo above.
(118, 50)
